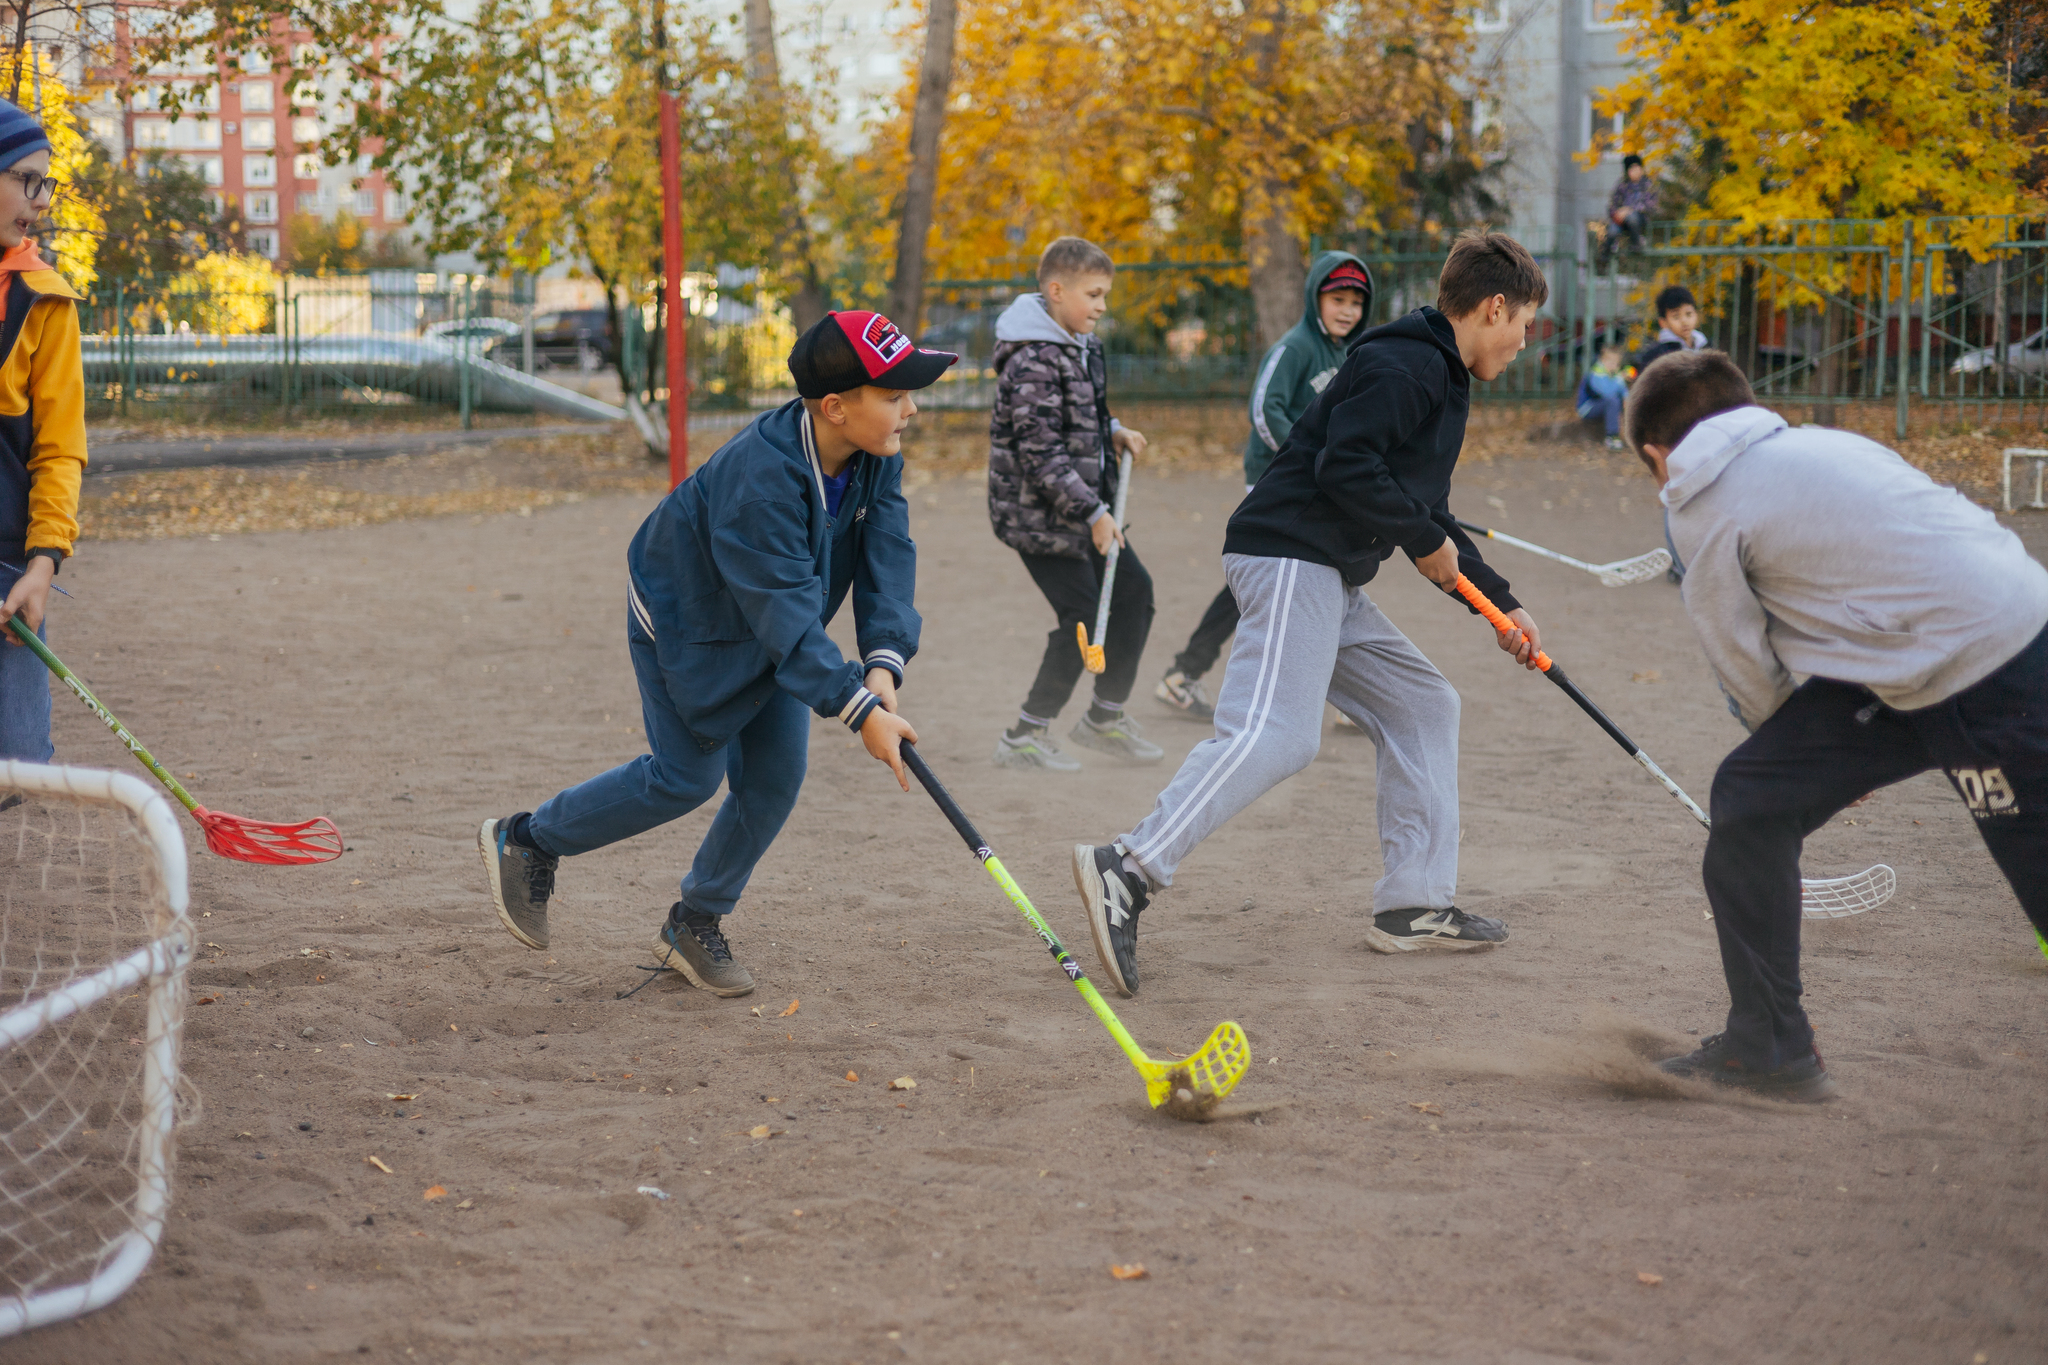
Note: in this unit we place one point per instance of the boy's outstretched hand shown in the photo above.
(883, 732)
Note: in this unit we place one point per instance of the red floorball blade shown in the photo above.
(255, 841)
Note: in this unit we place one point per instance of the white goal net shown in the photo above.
(94, 943)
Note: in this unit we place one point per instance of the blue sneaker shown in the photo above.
(522, 879)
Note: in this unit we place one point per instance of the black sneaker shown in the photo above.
(1405, 931)
(1185, 695)
(522, 879)
(695, 945)
(1805, 1081)
(1114, 899)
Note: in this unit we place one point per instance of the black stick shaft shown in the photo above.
(1571, 689)
(1465, 525)
(947, 805)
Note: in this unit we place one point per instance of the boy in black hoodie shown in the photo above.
(1365, 472)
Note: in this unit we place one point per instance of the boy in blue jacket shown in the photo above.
(732, 579)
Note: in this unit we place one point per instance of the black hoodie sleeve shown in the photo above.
(1383, 409)
(1483, 575)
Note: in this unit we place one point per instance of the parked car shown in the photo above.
(576, 338)
(492, 338)
(2028, 355)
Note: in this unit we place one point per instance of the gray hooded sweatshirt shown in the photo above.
(1818, 553)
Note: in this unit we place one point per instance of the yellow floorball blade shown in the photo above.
(1216, 1066)
(1092, 656)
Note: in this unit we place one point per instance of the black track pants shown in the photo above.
(1218, 624)
(1828, 745)
(1073, 587)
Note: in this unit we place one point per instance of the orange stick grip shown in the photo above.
(1494, 616)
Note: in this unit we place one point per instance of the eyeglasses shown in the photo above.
(35, 184)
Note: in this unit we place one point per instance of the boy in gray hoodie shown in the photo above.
(1052, 477)
(1918, 624)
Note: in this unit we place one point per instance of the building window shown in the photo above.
(306, 166)
(217, 205)
(143, 100)
(260, 207)
(394, 206)
(1611, 130)
(256, 96)
(259, 170)
(104, 130)
(364, 204)
(309, 203)
(190, 133)
(305, 55)
(1490, 16)
(305, 131)
(152, 132)
(1600, 14)
(207, 166)
(259, 132)
(264, 244)
(256, 61)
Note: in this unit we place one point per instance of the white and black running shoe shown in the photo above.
(1033, 749)
(1405, 931)
(1114, 899)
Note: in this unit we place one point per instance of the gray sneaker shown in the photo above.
(1034, 749)
(1120, 737)
(522, 879)
(695, 946)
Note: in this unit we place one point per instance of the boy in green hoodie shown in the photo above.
(1293, 374)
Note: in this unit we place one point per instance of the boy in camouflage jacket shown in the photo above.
(1051, 485)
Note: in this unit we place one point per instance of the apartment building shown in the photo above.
(253, 135)
(1545, 61)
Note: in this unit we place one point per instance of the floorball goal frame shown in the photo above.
(116, 1194)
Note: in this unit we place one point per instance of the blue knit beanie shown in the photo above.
(20, 134)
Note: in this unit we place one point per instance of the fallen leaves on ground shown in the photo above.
(1649, 1277)
(1425, 1107)
(791, 1010)
(853, 1075)
(762, 1130)
(435, 1192)
(1134, 1271)
(378, 1162)
(903, 1083)
(389, 1096)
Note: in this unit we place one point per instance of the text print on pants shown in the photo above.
(1985, 791)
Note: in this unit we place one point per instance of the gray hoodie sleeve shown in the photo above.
(1738, 646)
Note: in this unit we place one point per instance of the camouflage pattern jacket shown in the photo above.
(1047, 479)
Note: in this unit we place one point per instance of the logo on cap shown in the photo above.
(882, 337)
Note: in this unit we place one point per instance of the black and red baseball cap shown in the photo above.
(847, 350)
(1347, 275)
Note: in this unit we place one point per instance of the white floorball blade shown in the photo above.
(1838, 897)
(1625, 573)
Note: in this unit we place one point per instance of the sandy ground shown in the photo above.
(1466, 1161)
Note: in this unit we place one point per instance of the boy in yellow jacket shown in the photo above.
(42, 429)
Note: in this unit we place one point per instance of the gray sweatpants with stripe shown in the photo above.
(1305, 638)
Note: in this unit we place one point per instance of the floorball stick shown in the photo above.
(1187, 1089)
(230, 836)
(1821, 898)
(1092, 656)
(1622, 573)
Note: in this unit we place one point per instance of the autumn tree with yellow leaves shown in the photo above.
(1151, 123)
(1824, 109)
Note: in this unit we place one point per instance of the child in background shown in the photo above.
(1917, 622)
(1603, 391)
(732, 580)
(1052, 480)
(1629, 208)
(42, 431)
(1293, 375)
(1365, 472)
(1678, 322)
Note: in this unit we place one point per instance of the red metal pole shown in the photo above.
(676, 336)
